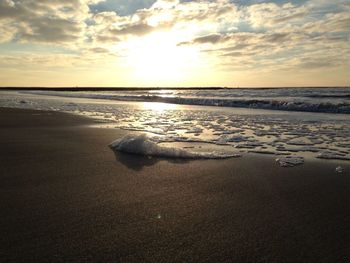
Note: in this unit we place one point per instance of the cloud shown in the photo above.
(45, 21)
(273, 15)
(231, 34)
(280, 33)
(212, 39)
(70, 22)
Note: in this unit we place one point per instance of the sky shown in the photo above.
(174, 43)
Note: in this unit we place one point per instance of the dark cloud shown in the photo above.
(240, 54)
(276, 37)
(240, 40)
(111, 34)
(212, 39)
(43, 20)
(51, 30)
(208, 39)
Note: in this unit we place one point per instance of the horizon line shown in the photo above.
(81, 88)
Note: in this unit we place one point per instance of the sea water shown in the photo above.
(296, 123)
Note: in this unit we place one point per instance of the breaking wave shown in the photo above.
(325, 107)
(284, 100)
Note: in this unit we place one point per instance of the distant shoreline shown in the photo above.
(156, 88)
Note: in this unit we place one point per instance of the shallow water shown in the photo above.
(209, 129)
(331, 100)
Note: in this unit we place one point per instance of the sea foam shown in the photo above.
(142, 144)
(324, 136)
(290, 161)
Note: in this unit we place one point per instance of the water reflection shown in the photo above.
(158, 106)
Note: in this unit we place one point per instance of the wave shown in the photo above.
(330, 96)
(283, 104)
(325, 107)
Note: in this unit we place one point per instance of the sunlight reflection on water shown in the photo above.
(207, 128)
(158, 106)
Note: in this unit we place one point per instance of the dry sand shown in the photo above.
(65, 197)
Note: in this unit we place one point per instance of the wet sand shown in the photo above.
(65, 197)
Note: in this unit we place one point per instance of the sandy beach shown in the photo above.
(175, 131)
(66, 197)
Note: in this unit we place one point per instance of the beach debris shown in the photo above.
(339, 169)
(290, 161)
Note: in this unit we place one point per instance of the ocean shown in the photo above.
(292, 124)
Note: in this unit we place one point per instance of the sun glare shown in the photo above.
(157, 57)
(158, 106)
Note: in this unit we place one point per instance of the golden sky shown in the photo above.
(170, 43)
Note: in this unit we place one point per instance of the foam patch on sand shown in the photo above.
(141, 144)
(332, 156)
(290, 161)
(339, 169)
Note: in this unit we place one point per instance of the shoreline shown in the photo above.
(67, 197)
(236, 103)
(90, 122)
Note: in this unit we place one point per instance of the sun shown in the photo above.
(158, 58)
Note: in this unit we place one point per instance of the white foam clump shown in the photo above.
(141, 144)
(339, 169)
(290, 161)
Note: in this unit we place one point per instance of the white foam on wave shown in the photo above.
(141, 144)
